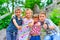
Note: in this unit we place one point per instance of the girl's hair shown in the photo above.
(28, 9)
(35, 16)
(43, 12)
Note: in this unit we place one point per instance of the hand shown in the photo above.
(45, 26)
(19, 27)
(51, 27)
(30, 25)
(38, 24)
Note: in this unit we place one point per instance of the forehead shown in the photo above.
(41, 14)
(35, 17)
(18, 10)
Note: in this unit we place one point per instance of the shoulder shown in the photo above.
(31, 19)
(48, 21)
(14, 17)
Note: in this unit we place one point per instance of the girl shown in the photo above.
(27, 23)
(15, 24)
(35, 32)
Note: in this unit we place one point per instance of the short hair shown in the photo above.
(17, 8)
(35, 16)
(43, 12)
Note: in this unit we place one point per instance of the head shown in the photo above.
(42, 16)
(28, 12)
(17, 11)
(35, 17)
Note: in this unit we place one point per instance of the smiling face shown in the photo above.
(42, 17)
(28, 13)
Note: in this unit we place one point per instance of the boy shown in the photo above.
(15, 24)
(48, 25)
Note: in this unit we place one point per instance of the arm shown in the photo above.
(31, 24)
(15, 23)
(53, 26)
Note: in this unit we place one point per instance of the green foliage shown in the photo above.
(3, 1)
(58, 3)
(3, 10)
(49, 2)
(5, 22)
(55, 16)
(31, 3)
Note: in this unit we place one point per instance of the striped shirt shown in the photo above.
(36, 29)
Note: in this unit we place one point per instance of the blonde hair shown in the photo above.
(28, 9)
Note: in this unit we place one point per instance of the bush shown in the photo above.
(5, 22)
(55, 16)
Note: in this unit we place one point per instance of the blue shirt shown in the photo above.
(12, 27)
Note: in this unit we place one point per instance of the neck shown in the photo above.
(28, 18)
(18, 17)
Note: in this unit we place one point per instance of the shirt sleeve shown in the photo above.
(14, 17)
(52, 24)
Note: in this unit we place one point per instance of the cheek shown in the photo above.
(28, 15)
(36, 20)
(41, 19)
(18, 14)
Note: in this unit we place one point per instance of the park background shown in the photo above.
(51, 7)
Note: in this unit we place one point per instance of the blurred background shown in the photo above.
(51, 7)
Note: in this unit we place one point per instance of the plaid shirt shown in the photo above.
(50, 23)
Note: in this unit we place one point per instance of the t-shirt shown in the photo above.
(26, 21)
(24, 33)
(12, 27)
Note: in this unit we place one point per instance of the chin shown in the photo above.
(42, 21)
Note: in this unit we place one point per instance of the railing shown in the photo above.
(3, 16)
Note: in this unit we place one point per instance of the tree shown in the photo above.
(31, 3)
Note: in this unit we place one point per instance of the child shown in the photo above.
(15, 24)
(27, 23)
(49, 26)
(35, 32)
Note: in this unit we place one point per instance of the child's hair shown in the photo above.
(43, 12)
(35, 16)
(28, 9)
(17, 8)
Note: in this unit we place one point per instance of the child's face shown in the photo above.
(28, 14)
(35, 19)
(18, 13)
(42, 17)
